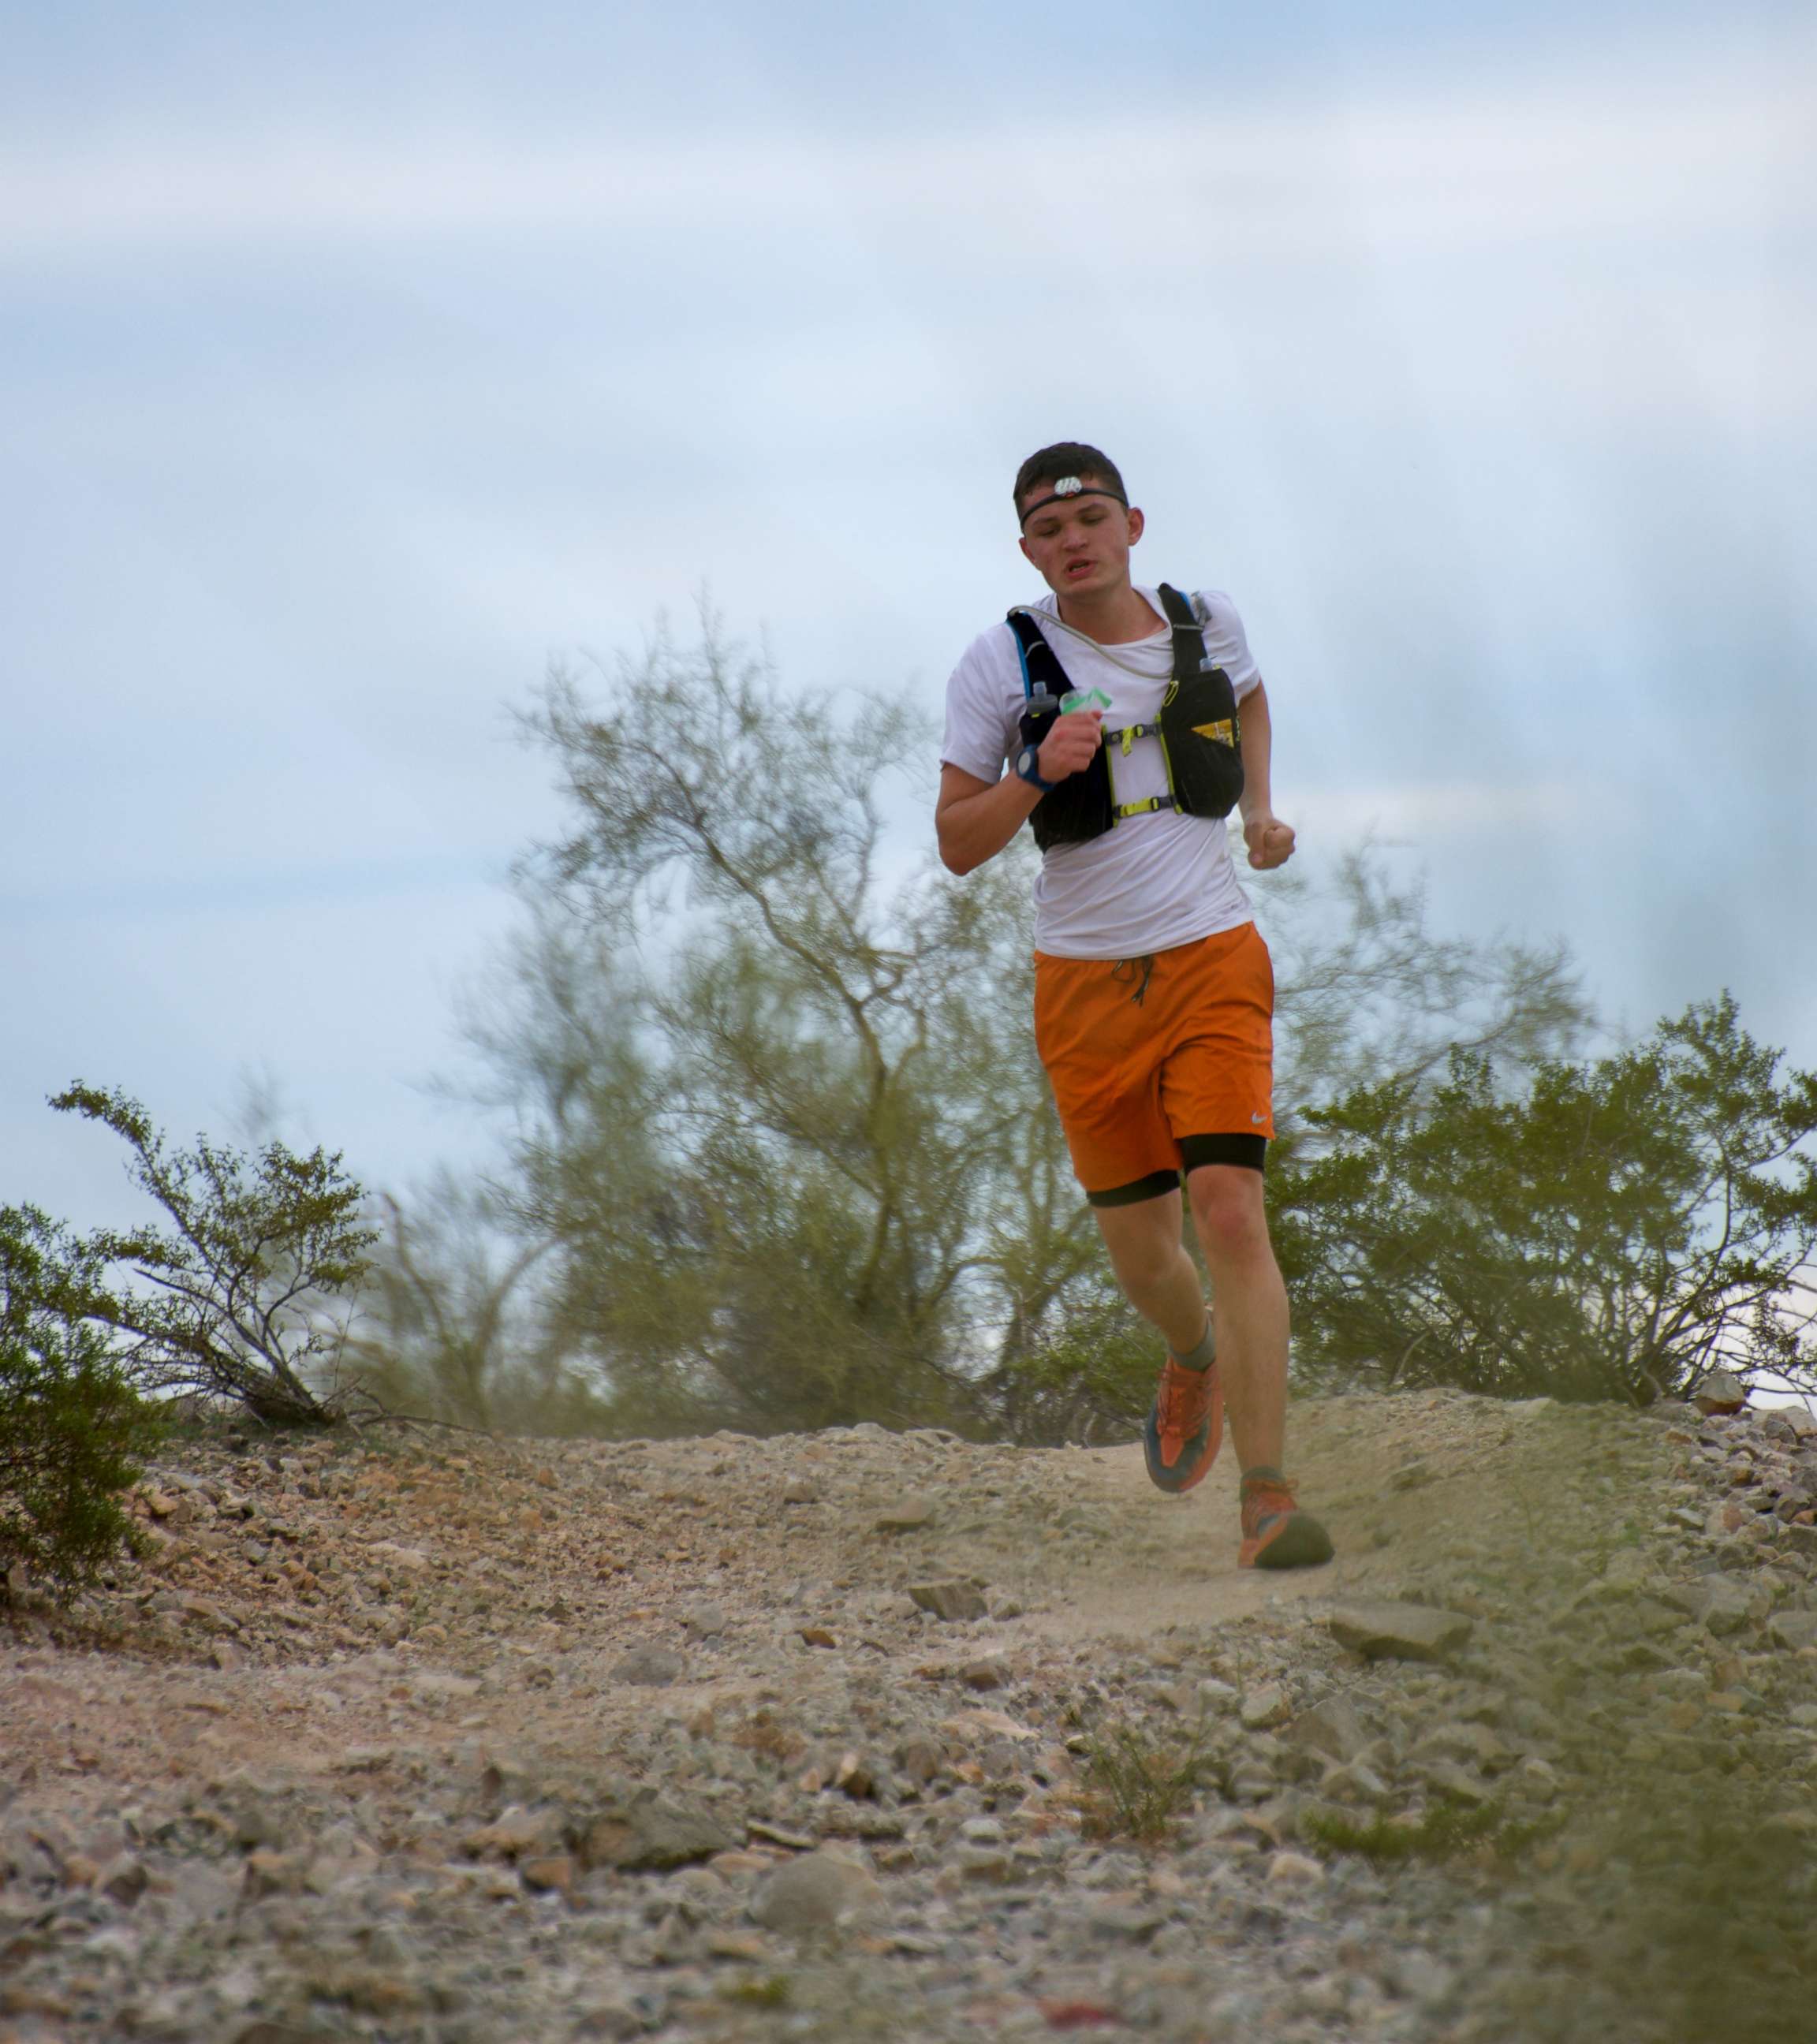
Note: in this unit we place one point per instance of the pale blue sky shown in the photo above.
(353, 366)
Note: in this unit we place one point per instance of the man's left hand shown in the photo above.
(1270, 840)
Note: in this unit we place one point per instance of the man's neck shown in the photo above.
(1114, 618)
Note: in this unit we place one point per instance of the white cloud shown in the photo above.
(1485, 402)
(1425, 816)
(1453, 168)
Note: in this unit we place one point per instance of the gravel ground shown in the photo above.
(863, 1736)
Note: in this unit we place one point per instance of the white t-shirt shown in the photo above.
(1149, 882)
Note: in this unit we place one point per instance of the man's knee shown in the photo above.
(1228, 1209)
(1143, 1241)
(1146, 1261)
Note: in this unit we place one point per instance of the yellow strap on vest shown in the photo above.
(1144, 808)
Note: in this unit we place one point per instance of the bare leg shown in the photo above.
(1249, 1306)
(1158, 1277)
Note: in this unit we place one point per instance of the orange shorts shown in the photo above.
(1160, 1063)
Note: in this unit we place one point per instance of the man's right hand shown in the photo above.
(974, 820)
(1067, 749)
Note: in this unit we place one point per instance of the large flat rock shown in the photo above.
(1399, 1632)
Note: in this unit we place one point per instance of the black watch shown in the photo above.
(1028, 767)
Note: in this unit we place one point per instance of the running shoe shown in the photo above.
(1276, 1533)
(1184, 1425)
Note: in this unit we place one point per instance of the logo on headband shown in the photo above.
(1067, 488)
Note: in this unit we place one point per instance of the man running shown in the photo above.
(1154, 995)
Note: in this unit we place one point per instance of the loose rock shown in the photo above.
(650, 1667)
(1720, 1392)
(818, 1891)
(954, 1602)
(1399, 1632)
(907, 1515)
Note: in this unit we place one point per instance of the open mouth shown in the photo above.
(1075, 569)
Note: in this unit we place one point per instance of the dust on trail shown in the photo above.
(448, 1590)
(1427, 1479)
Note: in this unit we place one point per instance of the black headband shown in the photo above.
(1069, 486)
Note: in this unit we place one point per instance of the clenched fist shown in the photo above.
(1068, 747)
(1270, 840)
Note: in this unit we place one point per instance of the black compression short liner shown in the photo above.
(1248, 1152)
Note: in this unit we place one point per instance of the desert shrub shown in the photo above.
(1610, 1229)
(71, 1424)
(1088, 1377)
(235, 1296)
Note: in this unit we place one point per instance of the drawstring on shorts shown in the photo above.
(1123, 972)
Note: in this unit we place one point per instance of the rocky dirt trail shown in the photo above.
(850, 1736)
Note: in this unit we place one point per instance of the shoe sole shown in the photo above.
(1302, 1542)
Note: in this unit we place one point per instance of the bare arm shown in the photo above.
(973, 819)
(1270, 840)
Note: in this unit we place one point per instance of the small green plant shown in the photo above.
(1138, 1786)
(1441, 1833)
(70, 1424)
(771, 1992)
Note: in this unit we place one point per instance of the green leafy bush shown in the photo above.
(236, 1298)
(71, 1424)
(1614, 1230)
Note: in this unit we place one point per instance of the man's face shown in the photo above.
(1080, 544)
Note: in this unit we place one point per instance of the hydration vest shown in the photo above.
(1196, 726)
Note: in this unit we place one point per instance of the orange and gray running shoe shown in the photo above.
(1184, 1425)
(1276, 1533)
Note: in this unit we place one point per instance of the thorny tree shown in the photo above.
(449, 1325)
(778, 1117)
(793, 1162)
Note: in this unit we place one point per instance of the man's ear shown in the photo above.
(1023, 542)
(1136, 522)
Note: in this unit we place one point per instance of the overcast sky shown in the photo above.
(358, 360)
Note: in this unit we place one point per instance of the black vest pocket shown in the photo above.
(1199, 728)
(1076, 809)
